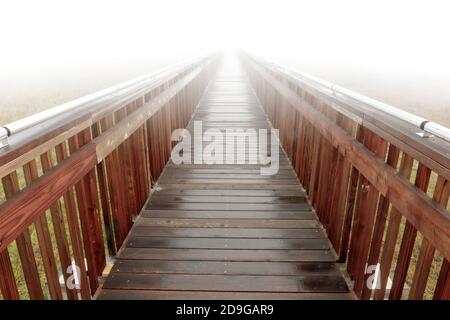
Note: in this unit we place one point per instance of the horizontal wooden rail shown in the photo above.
(76, 184)
(431, 150)
(367, 175)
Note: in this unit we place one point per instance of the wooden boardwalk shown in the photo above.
(225, 231)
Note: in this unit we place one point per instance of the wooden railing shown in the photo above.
(380, 189)
(74, 177)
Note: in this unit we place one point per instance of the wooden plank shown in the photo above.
(223, 176)
(112, 294)
(212, 243)
(224, 199)
(227, 193)
(227, 283)
(264, 180)
(258, 233)
(220, 268)
(228, 255)
(193, 214)
(177, 171)
(229, 206)
(226, 223)
(230, 186)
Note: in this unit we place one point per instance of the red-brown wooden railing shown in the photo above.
(380, 189)
(73, 182)
(75, 177)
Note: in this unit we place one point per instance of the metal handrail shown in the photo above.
(86, 103)
(335, 90)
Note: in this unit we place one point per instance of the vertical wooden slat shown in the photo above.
(8, 284)
(125, 155)
(339, 189)
(116, 192)
(336, 209)
(104, 198)
(426, 255)
(89, 218)
(364, 217)
(326, 187)
(316, 145)
(44, 239)
(442, 291)
(24, 245)
(350, 204)
(74, 231)
(60, 232)
(307, 150)
(367, 217)
(391, 234)
(408, 240)
(94, 207)
(299, 140)
(380, 223)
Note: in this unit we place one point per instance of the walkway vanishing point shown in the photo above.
(358, 209)
(226, 231)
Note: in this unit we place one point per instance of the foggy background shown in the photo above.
(394, 51)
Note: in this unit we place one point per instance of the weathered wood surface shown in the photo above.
(87, 173)
(225, 231)
(367, 173)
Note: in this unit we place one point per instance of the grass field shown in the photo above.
(23, 97)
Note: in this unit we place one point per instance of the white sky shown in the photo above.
(398, 34)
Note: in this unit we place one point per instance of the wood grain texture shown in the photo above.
(225, 228)
(24, 207)
(430, 220)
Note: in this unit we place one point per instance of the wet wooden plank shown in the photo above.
(212, 243)
(114, 294)
(219, 267)
(229, 206)
(226, 223)
(223, 214)
(230, 186)
(241, 283)
(225, 199)
(259, 233)
(228, 255)
(235, 181)
(223, 192)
